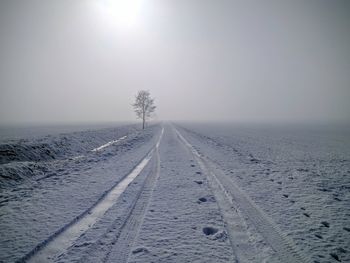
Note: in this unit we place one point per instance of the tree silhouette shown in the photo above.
(143, 106)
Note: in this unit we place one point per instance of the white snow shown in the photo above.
(206, 193)
(51, 198)
(108, 144)
(65, 239)
(298, 176)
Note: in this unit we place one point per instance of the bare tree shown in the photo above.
(143, 106)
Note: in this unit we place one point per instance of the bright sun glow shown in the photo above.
(124, 13)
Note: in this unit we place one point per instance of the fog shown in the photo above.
(70, 61)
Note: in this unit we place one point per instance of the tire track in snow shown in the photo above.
(235, 226)
(122, 249)
(58, 243)
(116, 243)
(284, 247)
(123, 245)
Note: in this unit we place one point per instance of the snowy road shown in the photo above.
(153, 196)
(226, 193)
(58, 244)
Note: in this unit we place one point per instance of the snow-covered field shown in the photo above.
(299, 176)
(177, 193)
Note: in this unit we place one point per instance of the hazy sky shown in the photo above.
(68, 61)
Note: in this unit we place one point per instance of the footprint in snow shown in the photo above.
(202, 200)
(306, 214)
(325, 223)
(208, 231)
(335, 256)
(140, 250)
(318, 236)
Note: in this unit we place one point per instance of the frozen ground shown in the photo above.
(36, 204)
(177, 193)
(299, 176)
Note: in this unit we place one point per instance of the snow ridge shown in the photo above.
(109, 144)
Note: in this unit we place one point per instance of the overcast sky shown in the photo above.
(83, 61)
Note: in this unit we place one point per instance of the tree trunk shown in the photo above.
(143, 122)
